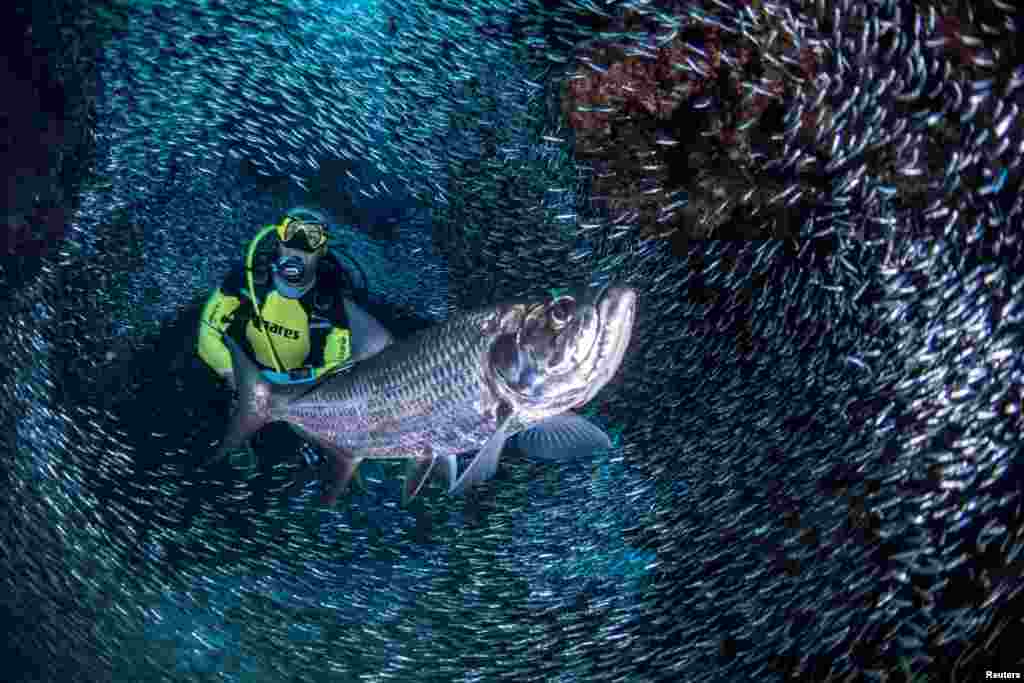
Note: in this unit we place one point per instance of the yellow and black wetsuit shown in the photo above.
(310, 335)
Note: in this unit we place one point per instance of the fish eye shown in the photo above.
(562, 310)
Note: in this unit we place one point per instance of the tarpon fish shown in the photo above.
(467, 384)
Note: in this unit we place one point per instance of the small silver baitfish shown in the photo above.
(466, 384)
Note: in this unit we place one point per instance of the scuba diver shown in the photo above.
(294, 316)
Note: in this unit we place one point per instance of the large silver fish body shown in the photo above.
(466, 384)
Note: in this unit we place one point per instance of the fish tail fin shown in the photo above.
(255, 403)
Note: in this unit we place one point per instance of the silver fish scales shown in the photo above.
(469, 383)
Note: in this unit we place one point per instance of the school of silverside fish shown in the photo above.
(817, 437)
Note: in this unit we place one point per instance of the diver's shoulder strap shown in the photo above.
(328, 296)
(263, 288)
(236, 283)
(328, 308)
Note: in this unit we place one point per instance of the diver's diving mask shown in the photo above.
(299, 234)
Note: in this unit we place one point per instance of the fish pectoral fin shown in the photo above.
(484, 465)
(562, 438)
(417, 473)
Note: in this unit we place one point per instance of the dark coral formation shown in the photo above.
(771, 120)
(49, 84)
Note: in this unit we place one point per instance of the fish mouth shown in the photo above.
(616, 310)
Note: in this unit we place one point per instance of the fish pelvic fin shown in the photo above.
(417, 474)
(343, 468)
(452, 469)
(255, 399)
(484, 465)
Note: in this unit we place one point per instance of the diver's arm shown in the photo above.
(214, 320)
(362, 338)
(369, 337)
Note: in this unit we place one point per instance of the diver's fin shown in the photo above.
(417, 473)
(253, 407)
(562, 438)
(484, 465)
(369, 337)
